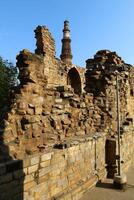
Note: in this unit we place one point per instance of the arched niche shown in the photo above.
(73, 79)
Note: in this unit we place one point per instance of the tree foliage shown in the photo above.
(8, 79)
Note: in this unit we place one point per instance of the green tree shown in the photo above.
(8, 79)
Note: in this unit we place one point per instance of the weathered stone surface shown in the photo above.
(60, 118)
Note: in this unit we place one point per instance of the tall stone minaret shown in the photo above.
(66, 55)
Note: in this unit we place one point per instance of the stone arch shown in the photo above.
(73, 79)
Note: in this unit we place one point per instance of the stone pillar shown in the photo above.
(66, 55)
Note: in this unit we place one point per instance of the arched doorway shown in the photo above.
(74, 80)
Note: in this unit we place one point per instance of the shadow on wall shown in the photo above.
(11, 171)
(110, 157)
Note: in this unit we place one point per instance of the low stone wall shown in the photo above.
(127, 149)
(62, 174)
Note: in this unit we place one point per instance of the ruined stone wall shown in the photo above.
(41, 120)
(101, 81)
(46, 111)
(21, 126)
(69, 112)
(59, 174)
(54, 69)
(40, 112)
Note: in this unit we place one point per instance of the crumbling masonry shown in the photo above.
(62, 123)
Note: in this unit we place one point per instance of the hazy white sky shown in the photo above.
(95, 25)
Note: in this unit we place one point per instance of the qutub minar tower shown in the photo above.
(66, 55)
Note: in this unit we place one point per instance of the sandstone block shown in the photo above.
(26, 162)
(35, 160)
(58, 106)
(57, 111)
(63, 182)
(29, 185)
(30, 111)
(28, 178)
(44, 171)
(67, 94)
(38, 110)
(58, 100)
(32, 169)
(44, 179)
(46, 156)
(45, 163)
(54, 189)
